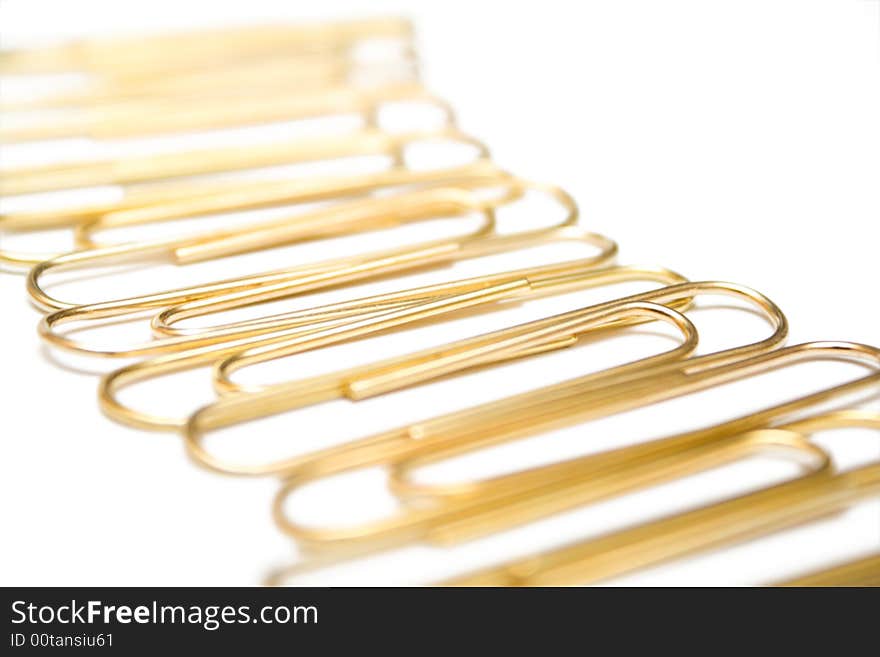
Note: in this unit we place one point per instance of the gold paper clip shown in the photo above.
(209, 199)
(239, 76)
(448, 514)
(305, 71)
(767, 510)
(457, 523)
(662, 383)
(859, 572)
(464, 511)
(485, 244)
(206, 161)
(327, 222)
(167, 201)
(675, 295)
(149, 117)
(467, 429)
(541, 280)
(176, 201)
(303, 337)
(159, 54)
(248, 290)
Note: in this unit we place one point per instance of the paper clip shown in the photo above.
(746, 516)
(263, 194)
(309, 72)
(258, 288)
(174, 201)
(673, 295)
(150, 117)
(333, 220)
(163, 201)
(135, 169)
(454, 429)
(426, 524)
(859, 572)
(693, 375)
(484, 244)
(463, 512)
(307, 338)
(359, 383)
(541, 280)
(158, 54)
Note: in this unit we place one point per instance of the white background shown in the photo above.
(726, 140)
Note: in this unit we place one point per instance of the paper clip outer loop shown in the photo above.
(379, 378)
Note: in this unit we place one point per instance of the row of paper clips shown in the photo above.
(209, 82)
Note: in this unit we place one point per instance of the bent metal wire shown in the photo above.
(467, 510)
(120, 59)
(175, 201)
(322, 223)
(144, 118)
(165, 200)
(423, 366)
(449, 514)
(441, 253)
(545, 279)
(764, 511)
(244, 291)
(309, 338)
(308, 71)
(200, 162)
(858, 572)
(658, 386)
(774, 443)
(250, 290)
(679, 294)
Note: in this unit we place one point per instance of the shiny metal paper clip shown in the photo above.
(465, 430)
(333, 220)
(447, 514)
(204, 161)
(300, 338)
(158, 54)
(545, 279)
(767, 510)
(186, 200)
(150, 117)
(859, 572)
(308, 72)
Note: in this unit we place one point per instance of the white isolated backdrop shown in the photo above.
(726, 140)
